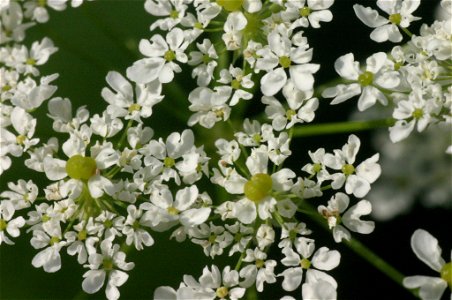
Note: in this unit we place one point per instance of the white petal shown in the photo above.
(245, 211)
(194, 216)
(351, 218)
(357, 186)
(165, 293)
(94, 280)
(272, 82)
(292, 278)
(386, 32)
(431, 288)
(426, 248)
(320, 290)
(55, 169)
(401, 130)
(145, 70)
(369, 16)
(325, 259)
(346, 67)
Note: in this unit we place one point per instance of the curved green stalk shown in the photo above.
(341, 127)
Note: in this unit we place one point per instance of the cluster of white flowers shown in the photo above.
(414, 79)
(112, 182)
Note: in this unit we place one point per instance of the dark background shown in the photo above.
(103, 35)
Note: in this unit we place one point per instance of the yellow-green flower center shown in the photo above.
(418, 113)
(169, 55)
(30, 61)
(366, 78)
(54, 240)
(212, 238)
(260, 263)
(257, 138)
(235, 84)
(107, 264)
(290, 113)
(3, 224)
(222, 292)
(80, 167)
(285, 62)
(198, 25)
(6, 88)
(231, 5)
(305, 11)
(258, 187)
(395, 19)
(169, 162)
(134, 107)
(174, 14)
(316, 168)
(172, 211)
(348, 169)
(81, 236)
(42, 3)
(20, 139)
(305, 263)
(446, 273)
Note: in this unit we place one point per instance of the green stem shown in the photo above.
(341, 127)
(406, 31)
(377, 262)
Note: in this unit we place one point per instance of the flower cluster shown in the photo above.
(414, 79)
(113, 182)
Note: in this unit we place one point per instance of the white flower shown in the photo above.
(209, 106)
(280, 55)
(426, 248)
(258, 200)
(7, 223)
(413, 112)
(290, 232)
(176, 154)
(60, 110)
(22, 194)
(215, 284)
(170, 211)
(400, 14)
(38, 12)
(301, 107)
(377, 74)
(237, 83)
(172, 10)
(162, 55)
(205, 62)
(81, 241)
(323, 259)
(357, 180)
(12, 22)
(133, 229)
(233, 27)
(305, 12)
(260, 271)
(317, 168)
(49, 258)
(213, 239)
(109, 263)
(350, 219)
(265, 236)
(79, 167)
(24, 124)
(121, 101)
